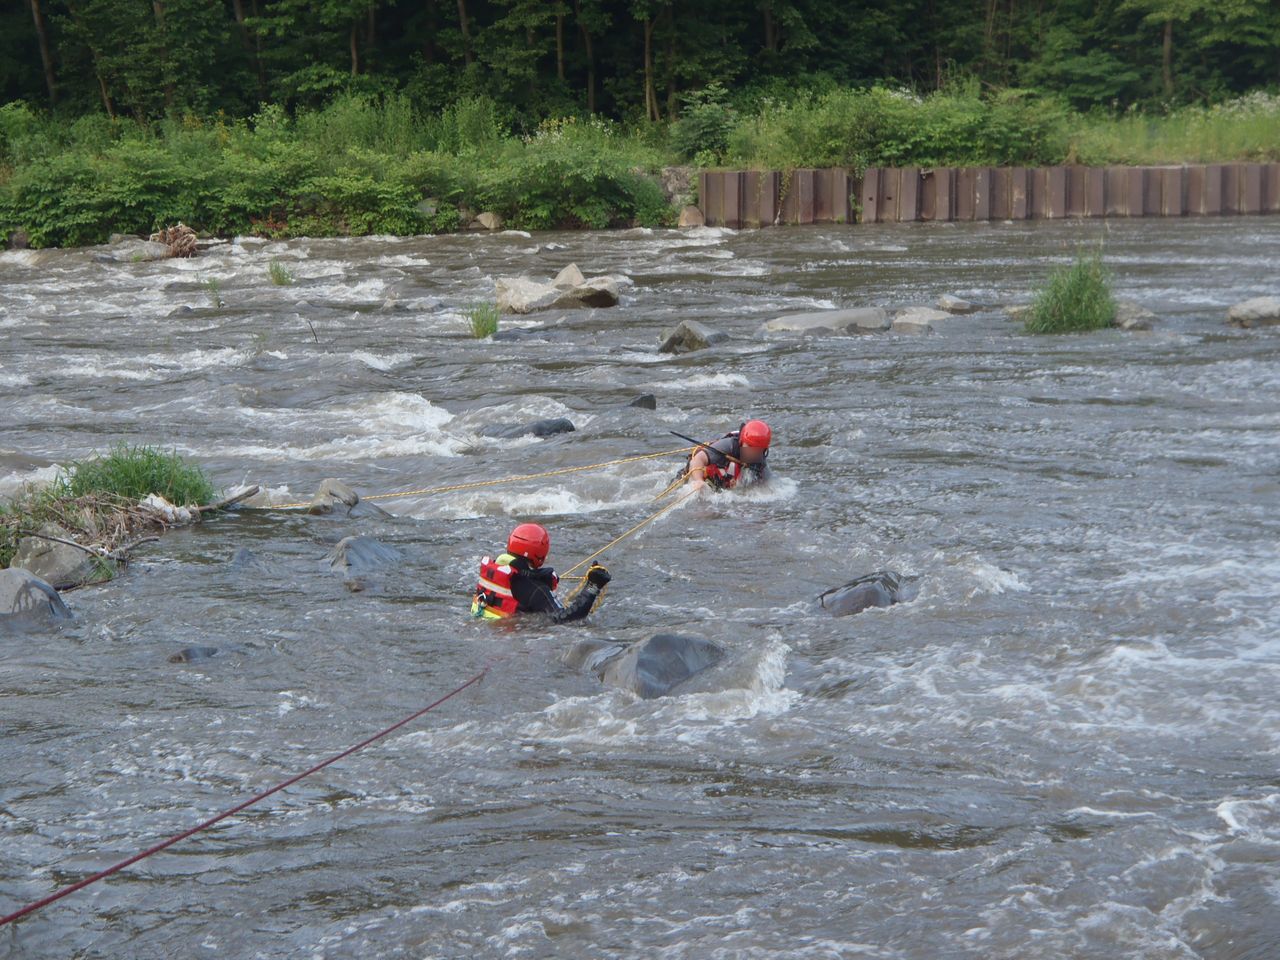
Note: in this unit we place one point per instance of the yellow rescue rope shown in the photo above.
(425, 491)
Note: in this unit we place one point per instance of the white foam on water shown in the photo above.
(705, 381)
(1257, 820)
(13, 483)
(385, 362)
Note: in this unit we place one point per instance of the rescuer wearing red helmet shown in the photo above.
(517, 581)
(723, 463)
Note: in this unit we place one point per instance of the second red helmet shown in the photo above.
(531, 541)
(756, 433)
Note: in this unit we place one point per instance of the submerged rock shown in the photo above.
(829, 322)
(190, 654)
(57, 564)
(690, 335)
(361, 554)
(26, 599)
(881, 589)
(1255, 312)
(918, 320)
(646, 401)
(649, 668)
(538, 428)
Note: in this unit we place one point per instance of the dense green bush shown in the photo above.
(1076, 298)
(703, 127)
(134, 473)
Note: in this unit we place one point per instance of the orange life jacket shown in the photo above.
(494, 599)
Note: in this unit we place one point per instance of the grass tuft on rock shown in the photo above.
(484, 320)
(1076, 298)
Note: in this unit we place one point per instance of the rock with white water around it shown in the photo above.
(335, 496)
(690, 335)
(691, 216)
(646, 401)
(1132, 316)
(1018, 311)
(568, 278)
(955, 304)
(918, 320)
(522, 295)
(26, 599)
(883, 588)
(1255, 312)
(829, 323)
(648, 668)
(58, 564)
(538, 428)
(487, 221)
(132, 250)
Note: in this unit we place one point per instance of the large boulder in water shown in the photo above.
(828, 323)
(648, 668)
(334, 493)
(881, 589)
(918, 320)
(1256, 312)
(570, 291)
(359, 555)
(26, 599)
(1132, 316)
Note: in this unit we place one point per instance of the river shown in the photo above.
(1065, 747)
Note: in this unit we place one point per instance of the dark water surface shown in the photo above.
(1065, 747)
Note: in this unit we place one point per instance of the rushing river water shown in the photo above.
(1065, 747)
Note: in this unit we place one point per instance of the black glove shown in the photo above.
(598, 576)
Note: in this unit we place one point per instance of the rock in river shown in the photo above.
(649, 668)
(25, 598)
(690, 335)
(538, 428)
(333, 492)
(918, 320)
(359, 555)
(829, 322)
(1256, 312)
(58, 564)
(523, 295)
(881, 589)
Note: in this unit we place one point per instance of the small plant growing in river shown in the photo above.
(135, 472)
(215, 292)
(1076, 298)
(280, 274)
(484, 320)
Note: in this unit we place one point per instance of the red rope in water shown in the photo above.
(58, 895)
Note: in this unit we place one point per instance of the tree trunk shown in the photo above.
(157, 7)
(257, 53)
(650, 95)
(560, 46)
(45, 58)
(591, 58)
(1166, 64)
(93, 55)
(252, 45)
(355, 51)
(671, 62)
(466, 32)
(770, 29)
(371, 36)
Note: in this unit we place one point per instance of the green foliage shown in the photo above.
(484, 320)
(703, 128)
(215, 292)
(279, 273)
(1076, 298)
(133, 473)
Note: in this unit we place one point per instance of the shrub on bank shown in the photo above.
(1076, 298)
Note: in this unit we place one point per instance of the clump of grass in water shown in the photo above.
(1076, 298)
(215, 293)
(484, 320)
(94, 500)
(280, 275)
(135, 472)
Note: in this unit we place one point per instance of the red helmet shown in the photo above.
(531, 541)
(756, 433)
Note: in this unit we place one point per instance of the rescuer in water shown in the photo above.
(721, 464)
(517, 582)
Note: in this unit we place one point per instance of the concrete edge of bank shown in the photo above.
(758, 198)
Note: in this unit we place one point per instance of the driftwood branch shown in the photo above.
(229, 501)
(92, 551)
(119, 552)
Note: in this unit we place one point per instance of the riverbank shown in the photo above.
(360, 167)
